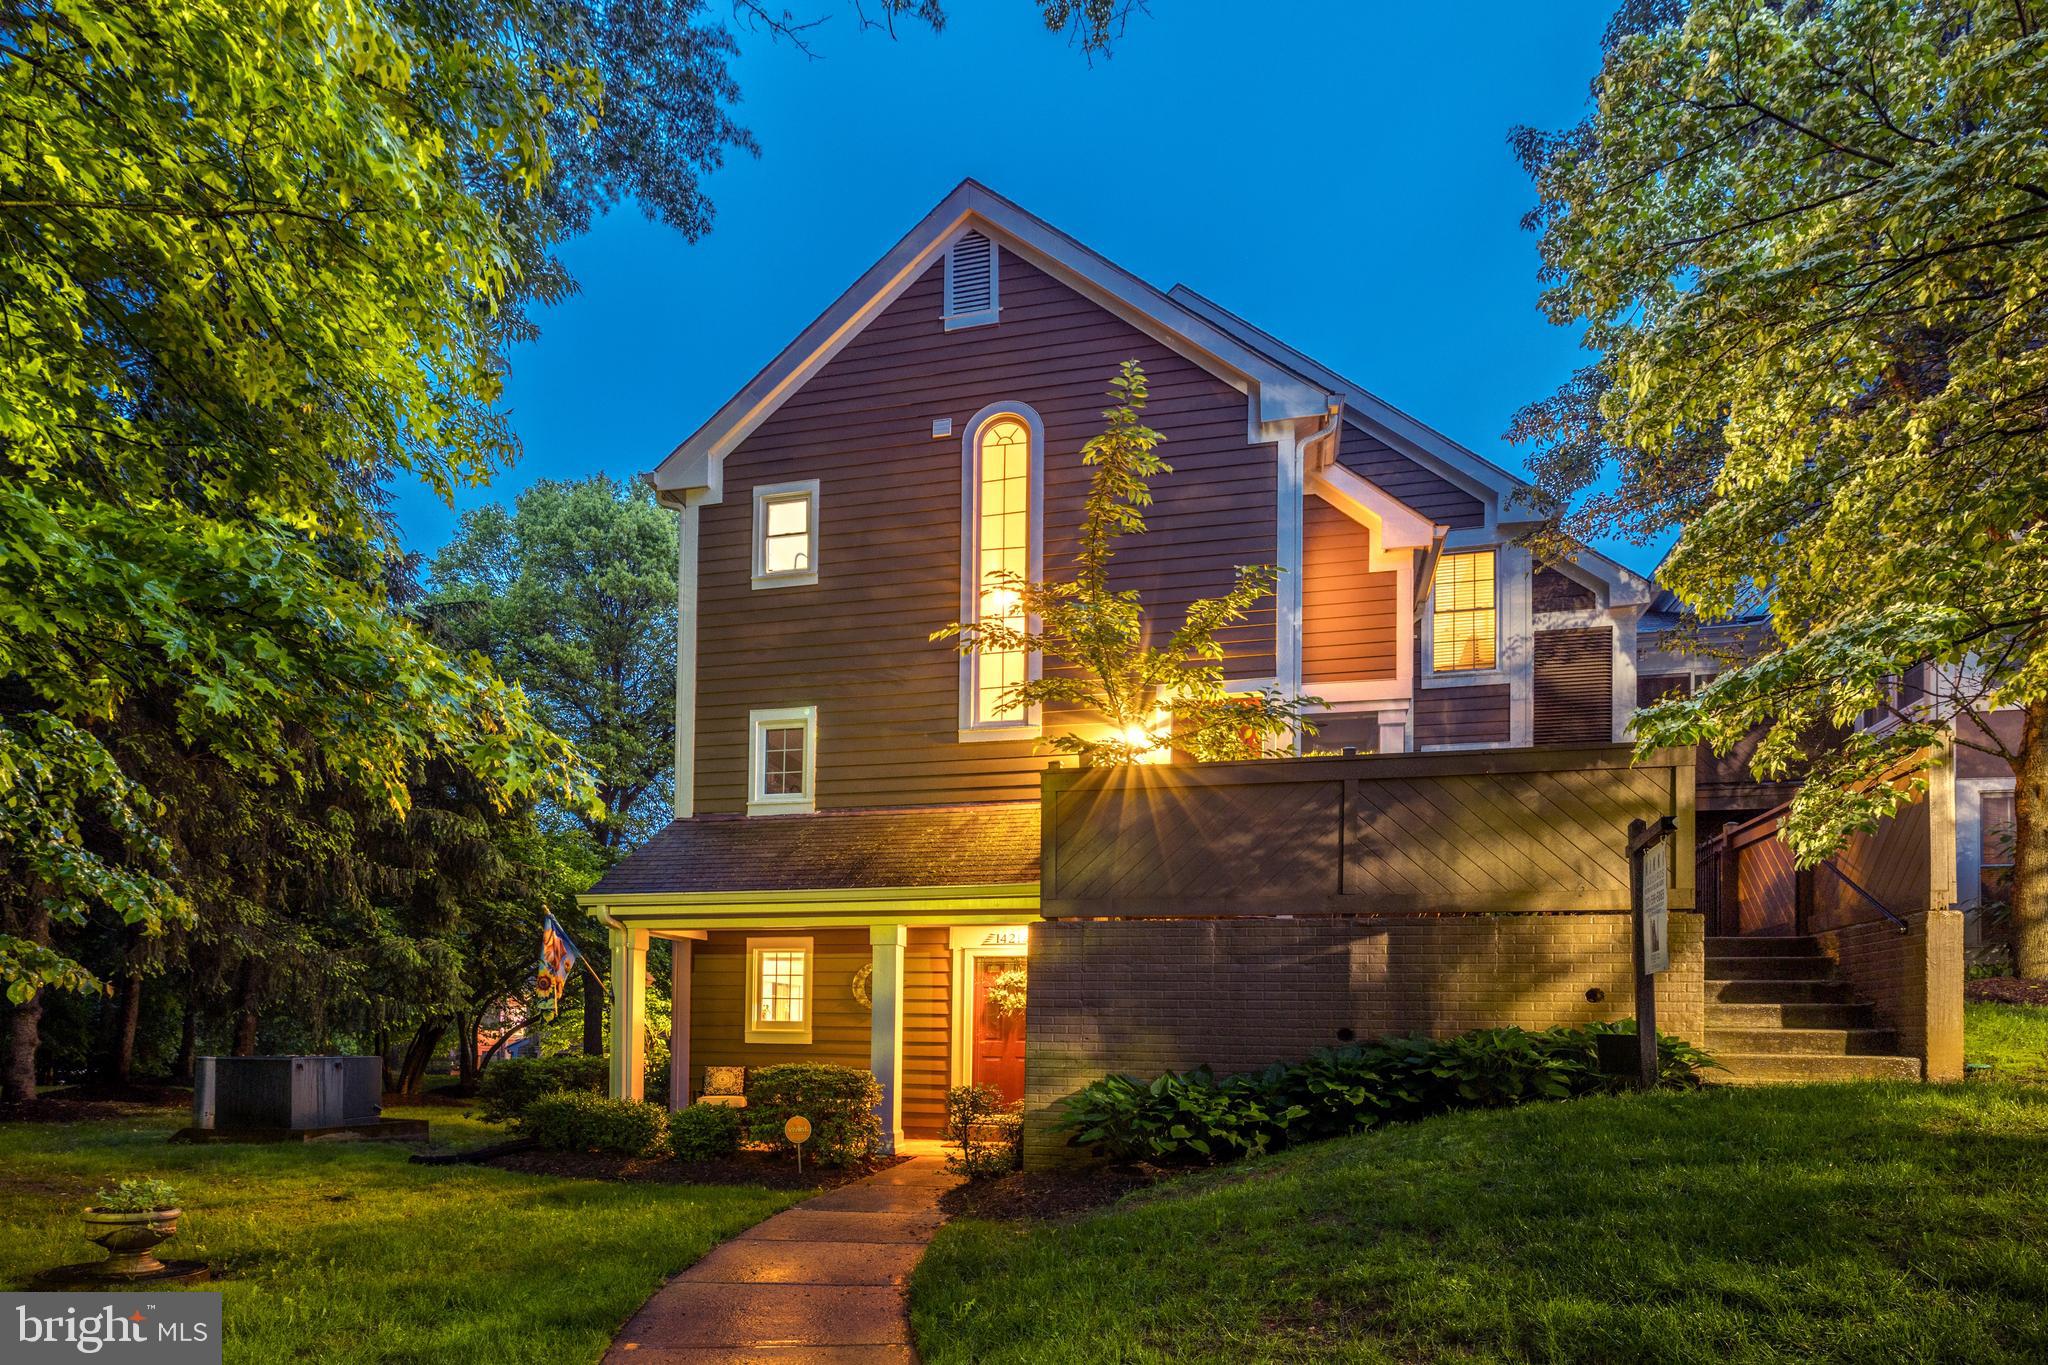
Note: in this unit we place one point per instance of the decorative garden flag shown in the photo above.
(558, 958)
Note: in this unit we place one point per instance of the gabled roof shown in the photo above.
(1513, 499)
(1279, 391)
(987, 844)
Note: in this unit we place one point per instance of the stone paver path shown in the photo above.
(820, 1282)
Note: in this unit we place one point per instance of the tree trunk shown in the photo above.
(465, 1050)
(418, 1053)
(245, 1009)
(593, 1011)
(2030, 850)
(128, 1009)
(24, 1021)
(188, 1038)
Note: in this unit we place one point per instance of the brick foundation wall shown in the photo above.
(1147, 996)
(1916, 980)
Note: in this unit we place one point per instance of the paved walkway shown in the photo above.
(820, 1282)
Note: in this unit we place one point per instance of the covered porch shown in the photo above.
(873, 951)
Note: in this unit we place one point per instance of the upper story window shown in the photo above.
(1001, 544)
(973, 285)
(782, 751)
(1466, 618)
(786, 534)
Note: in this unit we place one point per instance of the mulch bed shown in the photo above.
(1047, 1196)
(773, 1170)
(2005, 990)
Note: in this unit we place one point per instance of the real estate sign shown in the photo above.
(1656, 908)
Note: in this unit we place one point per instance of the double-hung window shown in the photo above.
(779, 990)
(786, 534)
(782, 754)
(1466, 619)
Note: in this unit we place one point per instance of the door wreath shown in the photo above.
(864, 986)
(1006, 993)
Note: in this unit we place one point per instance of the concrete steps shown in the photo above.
(1777, 1013)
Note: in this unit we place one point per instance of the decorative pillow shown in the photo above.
(725, 1080)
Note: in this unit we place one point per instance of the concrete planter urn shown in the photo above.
(131, 1240)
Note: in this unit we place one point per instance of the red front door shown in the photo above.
(998, 1040)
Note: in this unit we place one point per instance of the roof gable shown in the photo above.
(1277, 392)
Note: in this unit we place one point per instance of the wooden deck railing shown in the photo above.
(1489, 830)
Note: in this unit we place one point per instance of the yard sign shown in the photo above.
(1656, 908)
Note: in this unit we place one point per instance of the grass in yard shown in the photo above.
(2010, 1041)
(1852, 1223)
(343, 1252)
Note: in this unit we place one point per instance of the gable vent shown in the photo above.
(971, 281)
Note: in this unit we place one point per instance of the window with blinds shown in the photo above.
(1466, 619)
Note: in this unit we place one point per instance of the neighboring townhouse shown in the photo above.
(854, 863)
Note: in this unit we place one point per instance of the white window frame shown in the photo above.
(1469, 676)
(804, 490)
(980, 317)
(759, 722)
(1030, 724)
(797, 1033)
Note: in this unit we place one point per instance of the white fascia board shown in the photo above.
(1516, 503)
(1279, 392)
(1400, 526)
(1478, 475)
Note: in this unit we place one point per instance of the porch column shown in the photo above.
(629, 1013)
(681, 957)
(886, 1048)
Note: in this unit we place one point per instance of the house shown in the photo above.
(854, 871)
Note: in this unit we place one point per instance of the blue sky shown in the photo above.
(1336, 172)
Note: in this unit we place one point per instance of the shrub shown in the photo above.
(840, 1102)
(507, 1087)
(986, 1128)
(1193, 1116)
(135, 1196)
(573, 1121)
(704, 1132)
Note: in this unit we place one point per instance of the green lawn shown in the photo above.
(2010, 1041)
(344, 1252)
(1853, 1223)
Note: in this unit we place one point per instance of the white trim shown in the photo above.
(761, 720)
(969, 946)
(1029, 725)
(797, 490)
(980, 317)
(1395, 716)
(800, 1033)
(1277, 392)
(1288, 520)
(687, 540)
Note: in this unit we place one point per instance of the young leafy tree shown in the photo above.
(572, 594)
(1808, 243)
(1133, 699)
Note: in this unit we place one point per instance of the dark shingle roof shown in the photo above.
(967, 845)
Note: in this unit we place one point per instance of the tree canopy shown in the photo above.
(1809, 244)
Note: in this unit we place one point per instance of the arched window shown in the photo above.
(1004, 459)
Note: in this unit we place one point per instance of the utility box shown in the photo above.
(288, 1093)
